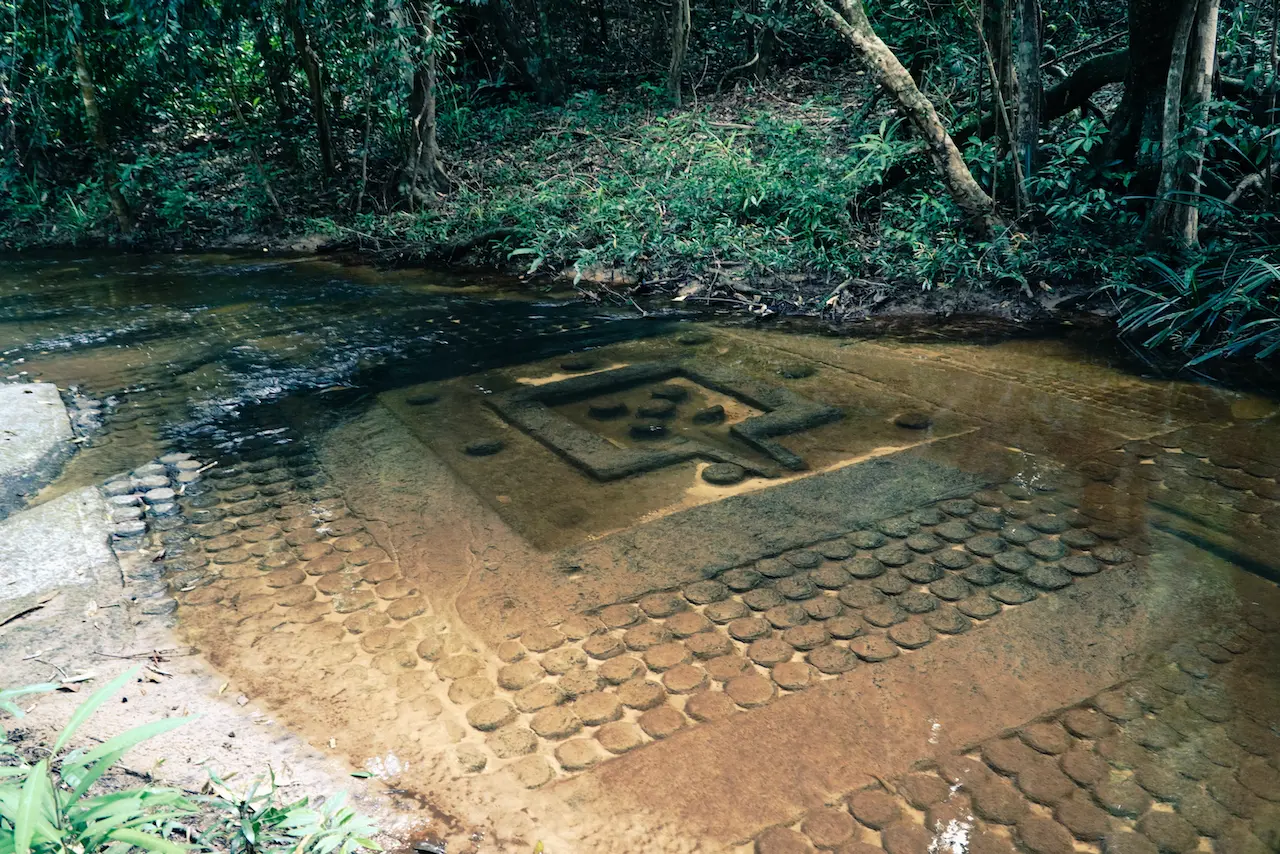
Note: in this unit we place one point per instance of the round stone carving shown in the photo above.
(874, 808)
(724, 474)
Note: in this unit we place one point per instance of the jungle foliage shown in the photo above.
(814, 152)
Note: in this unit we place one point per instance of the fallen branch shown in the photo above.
(1252, 182)
(735, 70)
(1086, 48)
(26, 609)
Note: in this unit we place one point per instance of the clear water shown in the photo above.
(1066, 539)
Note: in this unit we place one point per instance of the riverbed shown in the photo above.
(614, 578)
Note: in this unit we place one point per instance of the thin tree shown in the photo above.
(97, 129)
(851, 22)
(536, 67)
(681, 23)
(1201, 59)
(424, 168)
(1160, 218)
(1030, 90)
(309, 59)
(273, 66)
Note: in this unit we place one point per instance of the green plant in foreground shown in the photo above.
(255, 822)
(1204, 312)
(46, 807)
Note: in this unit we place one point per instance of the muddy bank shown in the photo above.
(846, 304)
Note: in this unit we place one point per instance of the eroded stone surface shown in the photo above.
(35, 440)
(825, 603)
(59, 544)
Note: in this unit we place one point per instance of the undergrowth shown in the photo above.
(61, 802)
(1207, 311)
(774, 192)
(750, 187)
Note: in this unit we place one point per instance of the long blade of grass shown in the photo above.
(8, 695)
(102, 757)
(147, 841)
(24, 819)
(91, 705)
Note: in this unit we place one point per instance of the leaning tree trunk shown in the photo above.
(1172, 164)
(1203, 54)
(97, 128)
(310, 62)
(681, 22)
(424, 170)
(851, 22)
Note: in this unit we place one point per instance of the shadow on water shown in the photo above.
(243, 344)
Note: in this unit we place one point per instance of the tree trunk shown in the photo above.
(1030, 88)
(424, 169)
(1201, 60)
(97, 129)
(234, 91)
(536, 69)
(8, 125)
(1172, 165)
(766, 42)
(1136, 127)
(761, 38)
(602, 21)
(681, 21)
(1270, 169)
(851, 22)
(997, 30)
(275, 72)
(310, 62)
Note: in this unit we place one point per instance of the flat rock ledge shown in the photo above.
(35, 439)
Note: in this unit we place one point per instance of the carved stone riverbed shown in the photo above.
(668, 586)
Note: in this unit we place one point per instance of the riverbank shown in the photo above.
(83, 602)
(783, 197)
(849, 306)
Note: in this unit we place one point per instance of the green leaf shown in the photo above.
(8, 695)
(91, 705)
(24, 819)
(147, 841)
(106, 754)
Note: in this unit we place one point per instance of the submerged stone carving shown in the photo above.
(784, 412)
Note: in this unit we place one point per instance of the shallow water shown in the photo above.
(432, 527)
